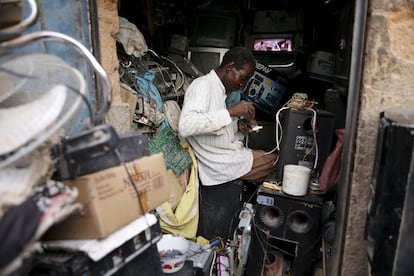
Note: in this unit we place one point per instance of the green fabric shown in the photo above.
(176, 157)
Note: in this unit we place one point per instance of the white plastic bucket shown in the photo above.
(295, 180)
(173, 252)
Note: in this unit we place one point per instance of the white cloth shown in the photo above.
(131, 38)
(212, 133)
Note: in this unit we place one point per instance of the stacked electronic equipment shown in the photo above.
(48, 140)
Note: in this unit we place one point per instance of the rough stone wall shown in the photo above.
(118, 115)
(387, 82)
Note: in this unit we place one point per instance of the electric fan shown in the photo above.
(39, 95)
(44, 92)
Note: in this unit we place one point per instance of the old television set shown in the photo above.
(273, 44)
(213, 30)
(275, 50)
(206, 58)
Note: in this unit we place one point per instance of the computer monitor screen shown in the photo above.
(276, 50)
(213, 30)
(206, 58)
(273, 44)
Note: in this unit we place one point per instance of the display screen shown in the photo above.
(206, 58)
(205, 61)
(211, 30)
(273, 45)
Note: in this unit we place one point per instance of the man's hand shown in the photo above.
(245, 126)
(242, 108)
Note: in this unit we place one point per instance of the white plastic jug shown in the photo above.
(295, 180)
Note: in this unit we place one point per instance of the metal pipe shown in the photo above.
(344, 190)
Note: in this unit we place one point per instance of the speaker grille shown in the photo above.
(273, 217)
(291, 225)
(299, 222)
(289, 218)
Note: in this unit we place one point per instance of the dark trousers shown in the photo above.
(219, 209)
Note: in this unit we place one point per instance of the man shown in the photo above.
(216, 134)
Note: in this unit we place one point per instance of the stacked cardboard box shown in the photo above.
(110, 199)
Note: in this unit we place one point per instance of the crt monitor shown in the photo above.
(206, 58)
(273, 44)
(277, 51)
(214, 30)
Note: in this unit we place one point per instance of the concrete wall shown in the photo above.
(387, 82)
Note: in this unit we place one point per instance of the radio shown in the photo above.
(96, 149)
(266, 93)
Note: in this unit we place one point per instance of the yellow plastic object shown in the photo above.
(184, 220)
(272, 186)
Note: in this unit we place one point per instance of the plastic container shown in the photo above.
(295, 180)
(173, 252)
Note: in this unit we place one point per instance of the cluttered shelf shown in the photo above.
(112, 197)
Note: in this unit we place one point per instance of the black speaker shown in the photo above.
(298, 138)
(390, 220)
(292, 225)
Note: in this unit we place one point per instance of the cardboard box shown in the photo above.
(129, 96)
(110, 200)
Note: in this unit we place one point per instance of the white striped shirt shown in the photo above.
(212, 133)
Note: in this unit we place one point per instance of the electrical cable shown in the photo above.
(232, 221)
(226, 269)
(178, 70)
(141, 205)
(315, 143)
(278, 127)
(271, 236)
(315, 139)
(165, 82)
(261, 242)
(173, 63)
(251, 197)
(131, 180)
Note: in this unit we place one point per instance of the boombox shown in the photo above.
(292, 225)
(266, 93)
(97, 149)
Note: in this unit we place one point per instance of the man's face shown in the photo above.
(237, 79)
